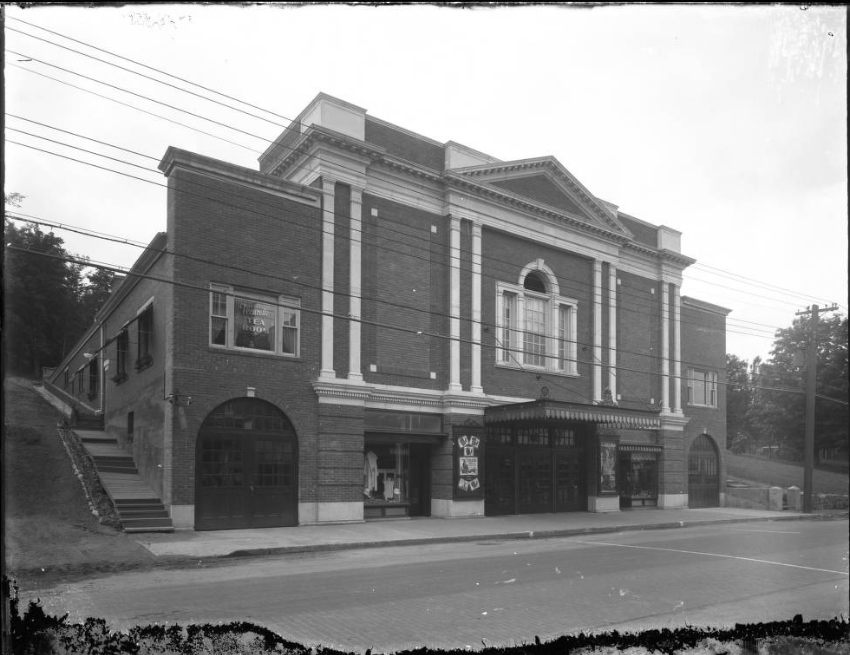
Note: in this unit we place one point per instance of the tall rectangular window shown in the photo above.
(94, 378)
(289, 330)
(145, 333)
(535, 327)
(218, 318)
(508, 325)
(241, 320)
(702, 388)
(566, 356)
(534, 345)
(122, 352)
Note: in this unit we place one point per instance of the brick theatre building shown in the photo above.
(375, 324)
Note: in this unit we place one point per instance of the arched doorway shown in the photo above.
(703, 473)
(246, 468)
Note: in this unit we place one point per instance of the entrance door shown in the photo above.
(535, 481)
(246, 468)
(420, 480)
(500, 481)
(703, 473)
(570, 495)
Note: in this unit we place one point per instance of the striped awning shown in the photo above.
(640, 448)
(552, 410)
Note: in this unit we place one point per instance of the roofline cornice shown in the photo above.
(454, 179)
(557, 169)
(176, 158)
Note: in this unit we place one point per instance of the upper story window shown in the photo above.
(702, 388)
(242, 320)
(145, 333)
(94, 378)
(122, 350)
(536, 326)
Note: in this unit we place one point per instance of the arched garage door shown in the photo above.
(246, 473)
(703, 473)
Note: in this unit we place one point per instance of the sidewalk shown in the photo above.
(419, 531)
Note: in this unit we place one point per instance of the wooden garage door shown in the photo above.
(246, 468)
(703, 473)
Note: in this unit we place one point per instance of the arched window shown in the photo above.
(536, 325)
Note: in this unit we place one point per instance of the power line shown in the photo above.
(140, 96)
(624, 306)
(139, 109)
(153, 79)
(256, 136)
(207, 290)
(313, 287)
(229, 97)
(113, 86)
(223, 95)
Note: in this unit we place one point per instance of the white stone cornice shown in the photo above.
(506, 197)
(673, 421)
(560, 175)
(377, 396)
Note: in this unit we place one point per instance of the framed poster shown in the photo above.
(608, 467)
(468, 465)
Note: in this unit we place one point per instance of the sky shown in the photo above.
(726, 123)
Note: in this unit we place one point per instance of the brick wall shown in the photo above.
(638, 342)
(404, 275)
(704, 347)
(404, 145)
(504, 257)
(257, 242)
(340, 453)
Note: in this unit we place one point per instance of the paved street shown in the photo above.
(453, 595)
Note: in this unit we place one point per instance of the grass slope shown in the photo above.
(782, 474)
(50, 533)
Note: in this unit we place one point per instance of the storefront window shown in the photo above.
(639, 475)
(386, 474)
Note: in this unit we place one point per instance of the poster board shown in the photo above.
(468, 456)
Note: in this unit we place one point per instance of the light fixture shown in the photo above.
(179, 399)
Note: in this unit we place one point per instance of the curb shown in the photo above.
(508, 536)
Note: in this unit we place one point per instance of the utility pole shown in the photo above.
(811, 390)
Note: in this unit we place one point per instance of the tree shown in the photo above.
(49, 302)
(779, 416)
(739, 399)
(40, 296)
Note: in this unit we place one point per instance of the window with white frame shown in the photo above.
(243, 320)
(536, 327)
(702, 387)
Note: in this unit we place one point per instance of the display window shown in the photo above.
(639, 479)
(386, 480)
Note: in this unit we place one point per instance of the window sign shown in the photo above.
(254, 324)
(468, 452)
(259, 323)
(608, 466)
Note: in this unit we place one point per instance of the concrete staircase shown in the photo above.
(137, 505)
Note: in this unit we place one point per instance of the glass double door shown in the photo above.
(534, 480)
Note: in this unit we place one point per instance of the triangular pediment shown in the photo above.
(545, 181)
